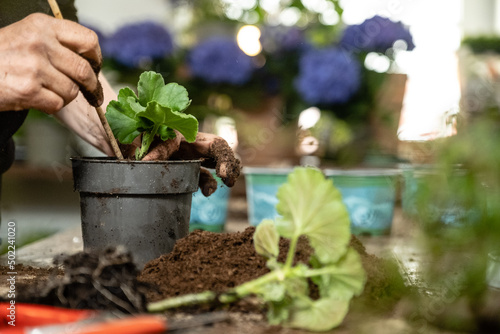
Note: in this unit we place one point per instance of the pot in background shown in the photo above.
(262, 184)
(369, 195)
(210, 213)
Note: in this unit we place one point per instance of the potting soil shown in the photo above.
(219, 261)
(199, 262)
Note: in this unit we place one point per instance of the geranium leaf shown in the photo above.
(122, 116)
(186, 124)
(155, 110)
(344, 279)
(312, 206)
(166, 133)
(266, 239)
(174, 96)
(317, 315)
(150, 87)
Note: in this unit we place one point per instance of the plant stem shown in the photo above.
(185, 300)
(232, 295)
(253, 286)
(291, 252)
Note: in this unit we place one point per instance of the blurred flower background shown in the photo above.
(136, 45)
(261, 62)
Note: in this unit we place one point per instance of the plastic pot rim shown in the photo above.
(362, 172)
(267, 170)
(126, 161)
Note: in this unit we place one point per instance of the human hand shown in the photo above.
(45, 63)
(211, 149)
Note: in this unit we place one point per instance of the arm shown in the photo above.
(80, 117)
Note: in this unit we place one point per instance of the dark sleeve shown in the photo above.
(14, 10)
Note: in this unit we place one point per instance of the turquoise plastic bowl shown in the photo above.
(369, 195)
(210, 213)
(262, 184)
(422, 202)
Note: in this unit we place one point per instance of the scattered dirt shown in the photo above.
(30, 271)
(201, 261)
(28, 277)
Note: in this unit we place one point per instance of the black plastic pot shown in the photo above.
(144, 206)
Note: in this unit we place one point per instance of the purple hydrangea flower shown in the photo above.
(220, 60)
(328, 76)
(375, 34)
(135, 43)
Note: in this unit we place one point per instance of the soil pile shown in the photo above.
(211, 261)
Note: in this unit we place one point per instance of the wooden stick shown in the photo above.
(55, 9)
(109, 132)
(114, 144)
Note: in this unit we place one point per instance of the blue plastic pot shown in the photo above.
(369, 195)
(210, 213)
(262, 184)
(433, 195)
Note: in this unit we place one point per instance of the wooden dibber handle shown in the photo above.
(112, 140)
(109, 132)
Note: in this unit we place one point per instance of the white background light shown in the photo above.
(248, 39)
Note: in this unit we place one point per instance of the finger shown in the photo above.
(162, 150)
(78, 69)
(228, 167)
(81, 40)
(47, 101)
(128, 150)
(207, 183)
(61, 85)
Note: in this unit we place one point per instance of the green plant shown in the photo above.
(312, 207)
(157, 110)
(482, 44)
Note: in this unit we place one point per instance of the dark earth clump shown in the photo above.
(104, 280)
(210, 261)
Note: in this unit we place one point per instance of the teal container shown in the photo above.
(410, 186)
(262, 184)
(210, 213)
(370, 196)
(433, 195)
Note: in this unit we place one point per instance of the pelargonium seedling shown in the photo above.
(155, 111)
(309, 206)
